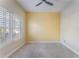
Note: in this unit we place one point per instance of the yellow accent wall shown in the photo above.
(42, 26)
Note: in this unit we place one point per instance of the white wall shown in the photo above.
(70, 25)
(13, 7)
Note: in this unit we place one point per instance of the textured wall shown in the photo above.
(43, 26)
(70, 25)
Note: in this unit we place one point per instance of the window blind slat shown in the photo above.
(10, 26)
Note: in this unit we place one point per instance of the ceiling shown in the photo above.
(29, 5)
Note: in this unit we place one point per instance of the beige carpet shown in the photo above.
(44, 50)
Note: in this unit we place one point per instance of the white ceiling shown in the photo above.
(29, 5)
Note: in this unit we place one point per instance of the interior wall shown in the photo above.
(43, 26)
(70, 25)
(13, 7)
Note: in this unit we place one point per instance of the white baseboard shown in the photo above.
(44, 41)
(77, 53)
(7, 56)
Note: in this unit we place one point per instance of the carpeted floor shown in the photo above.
(44, 50)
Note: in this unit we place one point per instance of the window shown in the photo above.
(10, 26)
(17, 27)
